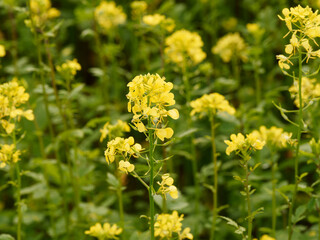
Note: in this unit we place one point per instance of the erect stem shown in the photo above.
(192, 145)
(296, 160)
(274, 200)
(215, 177)
(119, 194)
(151, 161)
(247, 191)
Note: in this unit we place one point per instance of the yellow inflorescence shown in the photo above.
(265, 237)
(148, 96)
(108, 15)
(211, 103)
(310, 90)
(116, 130)
(274, 136)
(124, 147)
(2, 51)
(8, 155)
(69, 68)
(106, 232)
(158, 19)
(242, 144)
(304, 26)
(126, 166)
(138, 8)
(41, 11)
(166, 186)
(184, 47)
(12, 96)
(167, 225)
(230, 46)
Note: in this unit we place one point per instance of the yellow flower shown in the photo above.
(69, 68)
(108, 15)
(2, 51)
(283, 62)
(166, 186)
(275, 137)
(229, 46)
(12, 96)
(310, 90)
(148, 96)
(167, 224)
(116, 130)
(125, 166)
(213, 102)
(106, 232)
(184, 47)
(138, 8)
(124, 147)
(153, 20)
(241, 144)
(8, 155)
(41, 11)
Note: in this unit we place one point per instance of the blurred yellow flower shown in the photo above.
(69, 68)
(41, 11)
(211, 103)
(8, 155)
(168, 224)
(184, 47)
(116, 130)
(106, 232)
(2, 51)
(108, 15)
(138, 8)
(166, 186)
(275, 137)
(126, 166)
(310, 90)
(230, 46)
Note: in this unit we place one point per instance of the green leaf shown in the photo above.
(112, 180)
(6, 237)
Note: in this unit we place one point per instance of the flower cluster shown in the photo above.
(108, 15)
(158, 19)
(310, 90)
(8, 155)
(124, 147)
(138, 8)
(12, 96)
(265, 237)
(274, 136)
(106, 232)
(117, 129)
(242, 144)
(167, 225)
(230, 46)
(211, 103)
(166, 186)
(184, 47)
(304, 25)
(41, 11)
(126, 166)
(2, 51)
(148, 96)
(69, 68)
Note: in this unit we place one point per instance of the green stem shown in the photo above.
(151, 200)
(192, 145)
(247, 190)
(215, 179)
(258, 85)
(120, 199)
(274, 200)
(18, 201)
(296, 161)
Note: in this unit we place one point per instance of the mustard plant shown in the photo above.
(243, 147)
(212, 104)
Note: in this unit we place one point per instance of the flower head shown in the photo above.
(213, 102)
(148, 96)
(41, 11)
(8, 155)
(275, 137)
(138, 8)
(184, 47)
(116, 130)
(242, 144)
(69, 68)
(124, 147)
(229, 46)
(108, 15)
(166, 186)
(106, 232)
(161, 20)
(310, 90)
(168, 224)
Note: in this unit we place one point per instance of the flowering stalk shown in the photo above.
(151, 162)
(215, 176)
(296, 160)
(274, 200)
(119, 194)
(246, 158)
